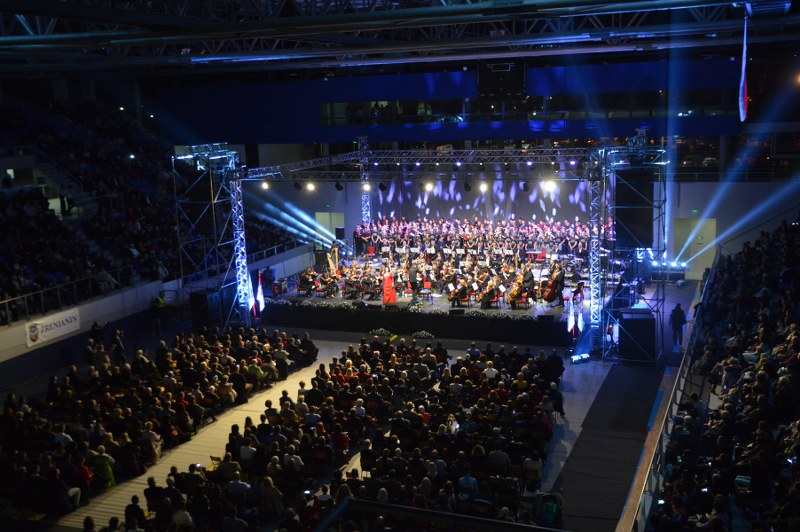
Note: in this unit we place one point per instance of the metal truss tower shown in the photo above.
(366, 193)
(598, 206)
(210, 225)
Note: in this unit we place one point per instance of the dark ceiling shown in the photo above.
(45, 38)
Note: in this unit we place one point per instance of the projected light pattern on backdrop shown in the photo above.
(548, 200)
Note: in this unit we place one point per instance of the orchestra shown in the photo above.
(487, 262)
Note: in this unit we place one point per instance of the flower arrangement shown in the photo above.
(380, 332)
(416, 308)
(475, 313)
(422, 335)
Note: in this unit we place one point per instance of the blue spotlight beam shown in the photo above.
(789, 188)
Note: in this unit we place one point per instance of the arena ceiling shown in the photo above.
(207, 37)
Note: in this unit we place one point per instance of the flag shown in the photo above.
(743, 78)
(250, 299)
(571, 319)
(260, 294)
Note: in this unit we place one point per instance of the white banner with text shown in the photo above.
(52, 326)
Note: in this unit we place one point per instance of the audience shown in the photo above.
(743, 453)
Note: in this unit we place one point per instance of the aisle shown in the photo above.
(579, 386)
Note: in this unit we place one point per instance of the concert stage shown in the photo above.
(538, 325)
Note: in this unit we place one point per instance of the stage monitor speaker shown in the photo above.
(205, 308)
(634, 209)
(373, 306)
(637, 337)
(339, 233)
(501, 78)
(456, 312)
(546, 317)
(391, 307)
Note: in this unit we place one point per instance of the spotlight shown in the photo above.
(674, 264)
(467, 186)
(375, 164)
(572, 162)
(655, 263)
(428, 187)
(265, 185)
(458, 164)
(131, 156)
(549, 186)
(683, 264)
(579, 359)
(310, 186)
(297, 185)
(338, 186)
(416, 163)
(382, 187)
(526, 187)
(529, 163)
(366, 187)
(484, 187)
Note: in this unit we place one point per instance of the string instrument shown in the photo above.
(550, 292)
(515, 288)
(453, 295)
(483, 294)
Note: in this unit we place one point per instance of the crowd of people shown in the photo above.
(125, 171)
(467, 435)
(742, 455)
(486, 239)
(113, 420)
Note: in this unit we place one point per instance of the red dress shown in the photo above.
(389, 295)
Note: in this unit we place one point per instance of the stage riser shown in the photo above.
(510, 332)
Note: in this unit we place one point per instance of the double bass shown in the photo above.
(551, 290)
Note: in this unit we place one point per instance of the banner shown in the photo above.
(52, 326)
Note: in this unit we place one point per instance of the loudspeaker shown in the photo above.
(339, 233)
(373, 306)
(205, 308)
(637, 337)
(634, 209)
(456, 312)
(545, 317)
(391, 307)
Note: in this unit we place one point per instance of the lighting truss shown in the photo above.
(366, 195)
(597, 215)
(207, 232)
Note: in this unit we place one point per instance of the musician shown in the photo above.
(460, 292)
(306, 281)
(352, 284)
(558, 275)
(489, 293)
(370, 285)
(415, 279)
(328, 283)
(528, 280)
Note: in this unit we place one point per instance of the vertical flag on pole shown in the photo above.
(743, 78)
(251, 299)
(260, 294)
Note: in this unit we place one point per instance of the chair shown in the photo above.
(319, 291)
(495, 301)
(524, 302)
(407, 291)
(426, 292)
(370, 252)
(467, 300)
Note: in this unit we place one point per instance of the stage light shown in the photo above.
(131, 156)
(338, 186)
(526, 186)
(458, 164)
(655, 263)
(467, 186)
(366, 187)
(265, 185)
(374, 164)
(484, 187)
(549, 186)
(437, 164)
(416, 163)
(297, 185)
(683, 264)
(529, 163)
(382, 187)
(572, 162)
(428, 187)
(579, 359)
(674, 264)
(121, 108)
(310, 186)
